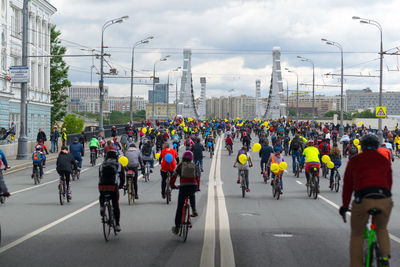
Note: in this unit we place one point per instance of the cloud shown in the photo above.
(232, 41)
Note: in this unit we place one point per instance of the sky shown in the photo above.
(231, 42)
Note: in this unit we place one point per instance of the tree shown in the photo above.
(330, 113)
(292, 112)
(73, 124)
(364, 114)
(58, 77)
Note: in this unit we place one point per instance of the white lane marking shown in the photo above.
(225, 241)
(299, 182)
(46, 227)
(283, 235)
(33, 187)
(85, 169)
(50, 171)
(393, 237)
(208, 251)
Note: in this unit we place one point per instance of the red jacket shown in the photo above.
(228, 140)
(364, 170)
(165, 166)
(320, 148)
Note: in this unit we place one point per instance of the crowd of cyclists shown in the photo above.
(304, 141)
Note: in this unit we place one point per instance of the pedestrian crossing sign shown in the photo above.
(380, 112)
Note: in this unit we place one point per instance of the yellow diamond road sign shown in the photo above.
(380, 111)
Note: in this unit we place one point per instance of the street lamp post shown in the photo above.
(313, 86)
(154, 82)
(144, 41)
(101, 82)
(376, 24)
(341, 128)
(178, 68)
(297, 93)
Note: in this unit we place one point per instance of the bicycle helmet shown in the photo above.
(277, 148)
(38, 147)
(112, 154)
(310, 143)
(188, 155)
(369, 141)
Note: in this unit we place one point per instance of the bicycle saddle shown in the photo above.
(374, 211)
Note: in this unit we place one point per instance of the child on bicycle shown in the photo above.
(189, 183)
(276, 157)
(336, 158)
(244, 167)
(37, 160)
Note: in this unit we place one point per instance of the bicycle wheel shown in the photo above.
(130, 191)
(309, 188)
(315, 187)
(297, 172)
(186, 223)
(133, 193)
(337, 181)
(78, 175)
(61, 193)
(73, 174)
(36, 177)
(277, 188)
(65, 191)
(106, 221)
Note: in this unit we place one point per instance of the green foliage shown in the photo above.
(58, 77)
(89, 115)
(73, 123)
(364, 114)
(292, 112)
(330, 113)
(306, 114)
(117, 117)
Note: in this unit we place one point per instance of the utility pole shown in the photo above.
(23, 139)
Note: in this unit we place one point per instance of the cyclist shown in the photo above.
(110, 146)
(94, 145)
(148, 154)
(3, 187)
(76, 150)
(369, 176)
(43, 149)
(112, 174)
(324, 147)
(352, 149)
(65, 165)
(244, 167)
(197, 150)
(189, 183)
(176, 141)
(311, 154)
(264, 154)
(246, 139)
(295, 149)
(37, 160)
(345, 140)
(166, 167)
(134, 162)
(117, 145)
(210, 139)
(276, 157)
(336, 158)
(228, 141)
(286, 140)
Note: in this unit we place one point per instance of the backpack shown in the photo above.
(146, 150)
(109, 170)
(325, 148)
(130, 133)
(353, 149)
(36, 156)
(295, 144)
(334, 132)
(188, 170)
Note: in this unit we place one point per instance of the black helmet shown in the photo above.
(112, 154)
(369, 141)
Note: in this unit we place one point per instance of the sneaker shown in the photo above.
(136, 197)
(307, 184)
(151, 171)
(163, 195)
(69, 198)
(194, 214)
(175, 230)
(118, 228)
(238, 181)
(384, 261)
(102, 211)
(318, 190)
(247, 190)
(262, 172)
(32, 176)
(281, 192)
(202, 170)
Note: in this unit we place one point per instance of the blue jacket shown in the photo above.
(3, 158)
(40, 158)
(265, 152)
(76, 150)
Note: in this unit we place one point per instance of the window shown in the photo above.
(40, 78)
(32, 119)
(33, 32)
(16, 22)
(46, 79)
(40, 33)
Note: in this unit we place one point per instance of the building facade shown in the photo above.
(366, 98)
(160, 94)
(242, 106)
(323, 103)
(38, 96)
(160, 111)
(85, 99)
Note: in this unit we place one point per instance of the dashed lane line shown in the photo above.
(46, 227)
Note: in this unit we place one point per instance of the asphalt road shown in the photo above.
(231, 231)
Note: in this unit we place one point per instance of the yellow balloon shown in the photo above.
(330, 165)
(325, 159)
(274, 167)
(359, 149)
(356, 142)
(256, 147)
(243, 159)
(157, 155)
(150, 130)
(185, 129)
(282, 166)
(123, 160)
(173, 132)
(144, 130)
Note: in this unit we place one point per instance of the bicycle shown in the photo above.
(371, 252)
(229, 147)
(276, 186)
(313, 184)
(298, 168)
(62, 190)
(131, 190)
(186, 222)
(93, 157)
(211, 151)
(108, 218)
(146, 175)
(36, 174)
(324, 169)
(76, 173)
(168, 189)
(335, 184)
(265, 173)
(243, 184)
